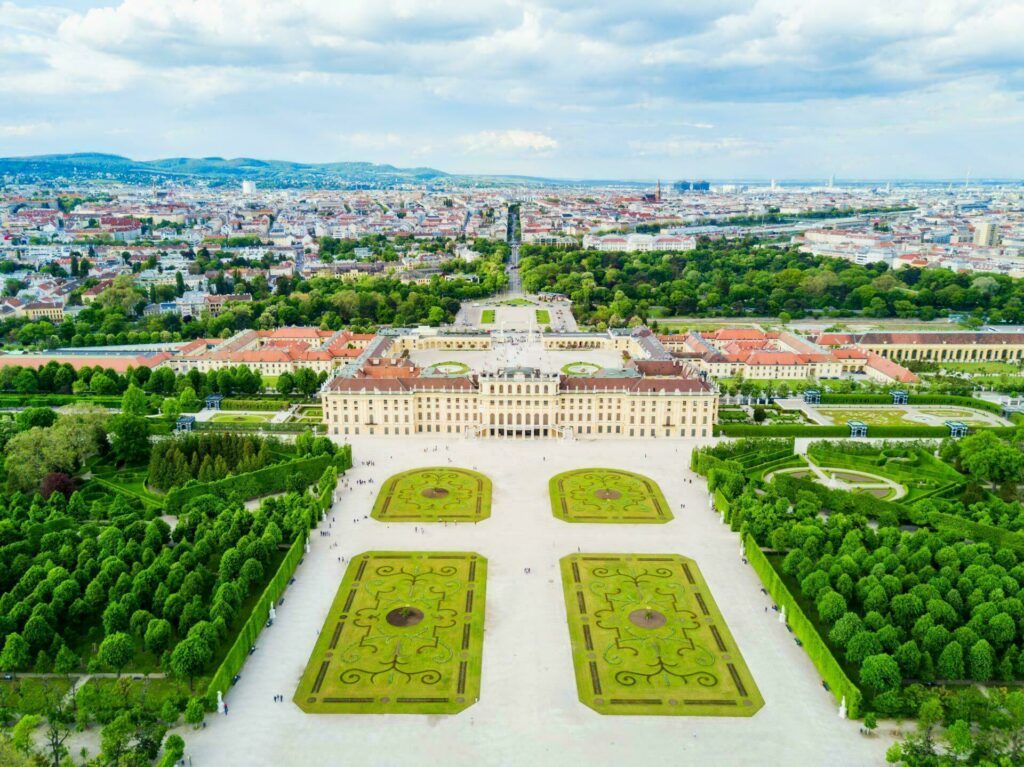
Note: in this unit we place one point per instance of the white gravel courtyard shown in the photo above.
(528, 713)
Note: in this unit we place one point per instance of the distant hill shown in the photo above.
(212, 170)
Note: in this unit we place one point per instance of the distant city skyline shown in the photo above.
(736, 89)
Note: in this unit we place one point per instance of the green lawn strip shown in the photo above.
(580, 369)
(880, 416)
(487, 317)
(403, 636)
(607, 496)
(543, 317)
(242, 418)
(647, 638)
(448, 368)
(434, 494)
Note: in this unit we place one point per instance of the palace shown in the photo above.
(754, 354)
(934, 346)
(592, 385)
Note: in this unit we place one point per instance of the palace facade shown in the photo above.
(652, 395)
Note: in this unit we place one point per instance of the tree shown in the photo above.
(285, 383)
(134, 402)
(880, 673)
(57, 482)
(170, 408)
(66, 662)
(59, 723)
(129, 438)
(951, 662)
(306, 381)
(190, 657)
(158, 636)
(189, 400)
(194, 712)
(35, 416)
(117, 650)
(16, 654)
(982, 660)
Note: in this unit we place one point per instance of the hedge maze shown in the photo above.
(607, 495)
(404, 635)
(437, 494)
(647, 638)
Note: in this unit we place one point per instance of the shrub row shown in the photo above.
(780, 430)
(275, 478)
(295, 427)
(254, 404)
(968, 529)
(56, 400)
(824, 661)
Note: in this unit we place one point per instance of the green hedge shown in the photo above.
(296, 427)
(822, 658)
(978, 532)
(254, 404)
(250, 631)
(781, 430)
(254, 484)
(56, 400)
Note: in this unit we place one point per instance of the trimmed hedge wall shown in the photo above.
(781, 430)
(976, 531)
(296, 427)
(266, 481)
(822, 658)
(254, 404)
(56, 400)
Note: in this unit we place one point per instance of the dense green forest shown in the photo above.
(326, 302)
(748, 277)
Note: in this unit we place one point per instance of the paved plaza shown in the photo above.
(518, 351)
(517, 313)
(529, 712)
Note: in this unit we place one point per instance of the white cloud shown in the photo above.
(686, 146)
(508, 142)
(21, 130)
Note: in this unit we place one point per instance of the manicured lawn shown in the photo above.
(403, 636)
(242, 418)
(435, 494)
(872, 416)
(897, 415)
(543, 317)
(580, 369)
(517, 302)
(647, 638)
(487, 317)
(607, 495)
(448, 368)
(982, 368)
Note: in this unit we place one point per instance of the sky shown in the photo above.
(671, 89)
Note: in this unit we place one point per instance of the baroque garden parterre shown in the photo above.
(647, 638)
(435, 494)
(404, 635)
(607, 495)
